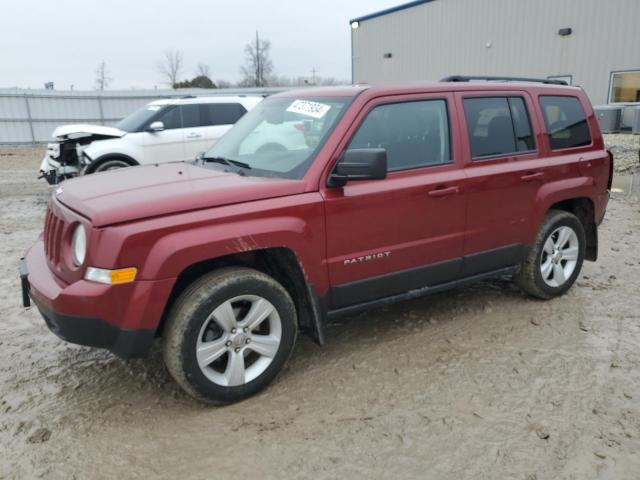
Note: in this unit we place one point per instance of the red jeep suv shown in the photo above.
(320, 203)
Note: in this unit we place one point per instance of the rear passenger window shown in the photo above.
(521, 125)
(415, 134)
(566, 122)
(222, 113)
(498, 126)
(191, 116)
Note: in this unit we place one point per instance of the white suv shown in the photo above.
(162, 131)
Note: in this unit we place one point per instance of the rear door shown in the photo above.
(168, 144)
(218, 118)
(386, 237)
(195, 129)
(505, 166)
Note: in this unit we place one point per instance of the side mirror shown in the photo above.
(359, 164)
(155, 127)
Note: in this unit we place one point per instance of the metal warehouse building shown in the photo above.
(591, 43)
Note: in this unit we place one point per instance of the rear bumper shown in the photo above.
(121, 318)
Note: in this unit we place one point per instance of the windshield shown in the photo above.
(280, 136)
(139, 118)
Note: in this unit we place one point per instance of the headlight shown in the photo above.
(79, 245)
(53, 149)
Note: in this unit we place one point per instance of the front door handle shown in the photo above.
(532, 177)
(193, 135)
(443, 191)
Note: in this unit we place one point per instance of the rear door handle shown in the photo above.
(443, 191)
(193, 135)
(530, 177)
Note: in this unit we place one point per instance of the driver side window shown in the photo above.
(415, 134)
(170, 118)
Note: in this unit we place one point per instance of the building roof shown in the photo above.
(387, 11)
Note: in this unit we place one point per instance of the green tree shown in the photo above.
(201, 81)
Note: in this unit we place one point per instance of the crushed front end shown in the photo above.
(63, 159)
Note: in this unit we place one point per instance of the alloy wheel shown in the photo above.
(239, 340)
(559, 256)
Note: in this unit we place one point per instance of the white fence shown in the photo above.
(30, 116)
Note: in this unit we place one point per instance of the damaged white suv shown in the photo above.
(162, 131)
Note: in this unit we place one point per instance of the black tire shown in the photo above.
(109, 164)
(192, 311)
(530, 277)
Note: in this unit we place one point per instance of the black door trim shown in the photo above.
(418, 281)
(394, 283)
(489, 260)
(420, 292)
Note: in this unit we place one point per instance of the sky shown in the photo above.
(64, 41)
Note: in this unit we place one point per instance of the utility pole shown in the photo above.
(313, 76)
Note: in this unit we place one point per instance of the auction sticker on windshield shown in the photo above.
(310, 109)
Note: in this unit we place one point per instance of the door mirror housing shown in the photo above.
(359, 164)
(155, 127)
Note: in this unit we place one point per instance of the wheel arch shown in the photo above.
(282, 264)
(583, 208)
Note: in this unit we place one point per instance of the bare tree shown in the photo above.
(171, 66)
(331, 81)
(102, 77)
(203, 70)
(300, 81)
(221, 83)
(258, 66)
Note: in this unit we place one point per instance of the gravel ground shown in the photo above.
(626, 151)
(477, 383)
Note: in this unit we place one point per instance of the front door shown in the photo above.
(386, 237)
(168, 144)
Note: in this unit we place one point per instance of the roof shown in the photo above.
(408, 88)
(242, 99)
(387, 11)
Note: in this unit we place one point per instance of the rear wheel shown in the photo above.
(554, 262)
(229, 335)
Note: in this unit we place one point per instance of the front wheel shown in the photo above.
(555, 260)
(112, 164)
(229, 335)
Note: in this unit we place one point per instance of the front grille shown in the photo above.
(53, 231)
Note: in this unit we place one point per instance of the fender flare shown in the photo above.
(558, 191)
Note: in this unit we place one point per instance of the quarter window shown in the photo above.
(566, 122)
(414, 134)
(498, 126)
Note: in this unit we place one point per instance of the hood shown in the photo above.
(136, 193)
(79, 131)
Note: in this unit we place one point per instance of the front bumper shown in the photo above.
(121, 318)
(53, 171)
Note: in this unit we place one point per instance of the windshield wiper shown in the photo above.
(227, 161)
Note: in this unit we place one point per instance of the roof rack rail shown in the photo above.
(468, 78)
